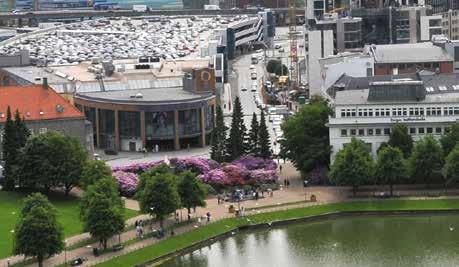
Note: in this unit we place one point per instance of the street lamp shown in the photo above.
(65, 252)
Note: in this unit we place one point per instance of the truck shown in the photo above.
(139, 8)
(211, 7)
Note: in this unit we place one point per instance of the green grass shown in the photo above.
(181, 241)
(67, 215)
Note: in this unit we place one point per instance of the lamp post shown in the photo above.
(65, 252)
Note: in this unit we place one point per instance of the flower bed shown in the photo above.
(245, 170)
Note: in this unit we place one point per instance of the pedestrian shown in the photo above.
(218, 199)
(189, 216)
(285, 182)
(141, 223)
(256, 195)
(136, 223)
(280, 168)
(144, 150)
(288, 182)
(208, 216)
(176, 217)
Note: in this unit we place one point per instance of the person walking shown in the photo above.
(208, 216)
(280, 168)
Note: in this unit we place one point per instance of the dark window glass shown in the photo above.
(159, 124)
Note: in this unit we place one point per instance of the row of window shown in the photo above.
(387, 131)
(395, 112)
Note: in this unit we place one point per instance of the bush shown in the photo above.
(127, 182)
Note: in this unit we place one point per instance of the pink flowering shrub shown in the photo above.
(196, 165)
(215, 177)
(138, 168)
(262, 176)
(255, 163)
(127, 182)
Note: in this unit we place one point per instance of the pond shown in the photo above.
(358, 241)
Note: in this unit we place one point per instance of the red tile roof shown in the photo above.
(36, 103)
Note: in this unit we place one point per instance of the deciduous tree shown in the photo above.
(399, 137)
(390, 167)
(451, 169)
(426, 160)
(450, 139)
(192, 191)
(93, 171)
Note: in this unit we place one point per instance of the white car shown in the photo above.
(254, 89)
(252, 67)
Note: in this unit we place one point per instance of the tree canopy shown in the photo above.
(306, 136)
(399, 137)
(426, 160)
(93, 171)
(191, 190)
(160, 196)
(450, 139)
(38, 234)
(390, 167)
(451, 168)
(353, 165)
(51, 159)
(102, 210)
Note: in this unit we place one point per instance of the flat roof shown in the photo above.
(31, 73)
(174, 94)
(410, 53)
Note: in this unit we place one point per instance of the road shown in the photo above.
(242, 67)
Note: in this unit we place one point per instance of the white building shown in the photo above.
(319, 44)
(367, 108)
(430, 25)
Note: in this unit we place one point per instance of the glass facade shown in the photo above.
(209, 117)
(189, 122)
(129, 123)
(107, 128)
(159, 125)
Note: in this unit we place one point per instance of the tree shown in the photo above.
(451, 169)
(450, 139)
(399, 137)
(390, 168)
(192, 191)
(236, 146)
(253, 136)
(353, 165)
(272, 65)
(51, 159)
(93, 171)
(426, 160)
(160, 197)
(281, 70)
(9, 152)
(264, 143)
(22, 132)
(148, 175)
(218, 138)
(38, 233)
(102, 210)
(306, 137)
(36, 200)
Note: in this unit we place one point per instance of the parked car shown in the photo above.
(244, 89)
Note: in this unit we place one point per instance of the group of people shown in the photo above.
(286, 182)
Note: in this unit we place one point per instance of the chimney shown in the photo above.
(45, 83)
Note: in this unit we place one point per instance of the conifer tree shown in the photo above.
(253, 136)
(9, 151)
(236, 145)
(218, 140)
(264, 143)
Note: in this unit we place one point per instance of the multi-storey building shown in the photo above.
(430, 25)
(367, 108)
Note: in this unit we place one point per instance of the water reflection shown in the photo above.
(363, 241)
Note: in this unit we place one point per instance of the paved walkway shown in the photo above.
(294, 193)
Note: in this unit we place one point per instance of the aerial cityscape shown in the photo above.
(221, 133)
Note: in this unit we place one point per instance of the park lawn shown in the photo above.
(67, 215)
(208, 231)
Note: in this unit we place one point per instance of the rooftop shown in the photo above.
(408, 53)
(147, 96)
(34, 102)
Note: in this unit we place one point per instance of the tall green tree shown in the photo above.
(264, 142)
(218, 138)
(451, 169)
(38, 234)
(353, 165)
(399, 137)
(51, 159)
(236, 145)
(9, 152)
(390, 167)
(102, 210)
(22, 132)
(93, 171)
(450, 139)
(191, 191)
(426, 160)
(36, 200)
(149, 175)
(160, 197)
(306, 138)
(253, 136)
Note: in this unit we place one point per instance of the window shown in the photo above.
(361, 132)
(386, 131)
(387, 112)
(365, 112)
(360, 113)
(369, 131)
(447, 129)
(378, 131)
(394, 112)
(43, 130)
(411, 111)
(370, 112)
(421, 130)
(421, 111)
(399, 111)
(343, 132)
(412, 130)
(438, 130)
(405, 112)
(456, 110)
(353, 132)
(343, 113)
(429, 130)
(376, 112)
